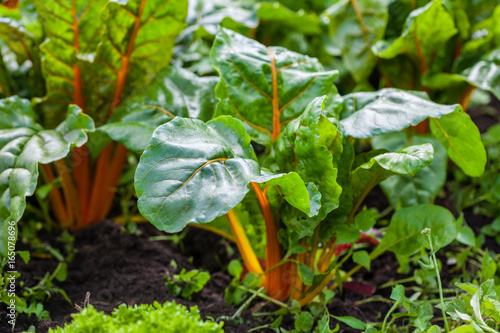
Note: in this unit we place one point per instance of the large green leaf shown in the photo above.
(356, 25)
(265, 87)
(195, 172)
(382, 166)
(24, 144)
(137, 42)
(462, 140)
(367, 114)
(404, 235)
(424, 186)
(426, 30)
(72, 28)
(485, 74)
(311, 145)
(173, 92)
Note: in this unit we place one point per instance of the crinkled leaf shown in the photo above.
(380, 167)
(426, 30)
(24, 144)
(173, 92)
(292, 188)
(424, 186)
(195, 172)
(367, 114)
(462, 140)
(72, 29)
(265, 87)
(137, 41)
(354, 27)
(311, 145)
(404, 237)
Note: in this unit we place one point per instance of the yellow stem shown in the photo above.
(246, 251)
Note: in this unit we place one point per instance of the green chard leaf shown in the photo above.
(173, 92)
(137, 41)
(24, 144)
(485, 74)
(380, 167)
(195, 172)
(424, 186)
(462, 140)
(355, 26)
(426, 30)
(266, 87)
(311, 145)
(404, 235)
(72, 29)
(367, 114)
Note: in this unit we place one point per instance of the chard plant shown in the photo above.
(70, 79)
(306, 184)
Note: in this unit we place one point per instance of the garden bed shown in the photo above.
(119, 267)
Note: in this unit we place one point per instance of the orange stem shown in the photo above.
(96, 197)
(102, 198)
(466, 96)
(70, 195)
(273, 250)
(113, 177)
(122, 74)
(81, 173)
(56, 201)
(275, 100)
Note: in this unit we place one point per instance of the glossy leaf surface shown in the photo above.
(173, 92)
(24, 144)
(367, 114)
(195, 172)
(405, 162)
(265, 87)
(424, 186)
(485, 74)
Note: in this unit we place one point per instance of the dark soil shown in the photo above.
(117, 267)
